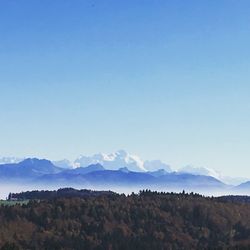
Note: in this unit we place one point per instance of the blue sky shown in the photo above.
(163, 79)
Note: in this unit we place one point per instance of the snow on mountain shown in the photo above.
(113, 161)
(66, 164)
(7, 160)
(125, 162)
(200, 171)
(121, 159)
(211, 172)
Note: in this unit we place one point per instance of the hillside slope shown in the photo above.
(110, 221)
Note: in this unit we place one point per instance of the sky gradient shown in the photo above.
(163, 79)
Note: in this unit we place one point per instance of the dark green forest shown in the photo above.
(105, 220)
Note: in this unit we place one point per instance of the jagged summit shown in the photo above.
(113, 161)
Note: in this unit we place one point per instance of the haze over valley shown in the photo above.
(119, 171)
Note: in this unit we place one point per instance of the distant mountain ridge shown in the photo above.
(121, 162)
(28, 168)
(44, 172)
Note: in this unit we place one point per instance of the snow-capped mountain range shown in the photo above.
(44, 174)
(122, 159)
(119, 159)
(119, 171)
(112, 161)
(115, 161)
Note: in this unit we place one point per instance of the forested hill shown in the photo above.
(60, 193)
(148, 220)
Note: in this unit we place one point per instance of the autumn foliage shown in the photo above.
(148, 220)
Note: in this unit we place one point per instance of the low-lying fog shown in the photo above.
(5, 189)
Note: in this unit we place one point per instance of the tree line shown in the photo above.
(148, 220)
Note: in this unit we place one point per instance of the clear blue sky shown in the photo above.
(163, 79)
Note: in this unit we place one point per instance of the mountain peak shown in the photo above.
(112, 161)
(35, 161)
